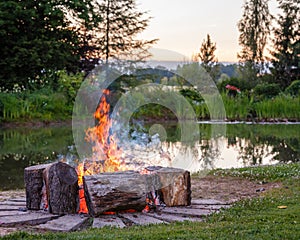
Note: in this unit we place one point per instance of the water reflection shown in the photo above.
(243, 145)
(24, 147)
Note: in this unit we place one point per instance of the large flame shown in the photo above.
(106, 154)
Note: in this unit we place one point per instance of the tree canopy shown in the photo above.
(38, 38)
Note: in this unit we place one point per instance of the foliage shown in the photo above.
(294, 88)
(286, 56)
(36, 37)
(69, 84)
(242, 84)
(42, 104)
(192, 95)
(237, 108)
(266, 90)
(207, 52)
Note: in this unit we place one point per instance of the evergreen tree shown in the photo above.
(116, 36)
(208, 58)
(254, 28)
(286, 54)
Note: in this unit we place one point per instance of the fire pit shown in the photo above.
(104, 182)
(54, 187)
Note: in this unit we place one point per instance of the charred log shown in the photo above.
(116, 191)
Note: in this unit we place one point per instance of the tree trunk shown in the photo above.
(33, 178)
(61, 183)
(116, 191)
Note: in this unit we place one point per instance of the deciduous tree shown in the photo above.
(36, 37)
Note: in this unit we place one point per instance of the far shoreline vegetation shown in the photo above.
(266, 102)
(43, 68)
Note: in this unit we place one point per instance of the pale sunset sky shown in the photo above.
(181, 26)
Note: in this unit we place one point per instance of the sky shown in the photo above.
(182, 25)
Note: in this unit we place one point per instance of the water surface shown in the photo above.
(242, 145)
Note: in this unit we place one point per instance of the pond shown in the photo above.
(242, 145)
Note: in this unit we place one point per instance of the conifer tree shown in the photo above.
(117, 34)
(254, 28)
(207, 57)
(286, 54)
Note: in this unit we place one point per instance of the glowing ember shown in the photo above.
(82, 203)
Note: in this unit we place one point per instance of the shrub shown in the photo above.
(239, 83)
(68, 84)
(294, 88)
(266, 90)
(191, 95)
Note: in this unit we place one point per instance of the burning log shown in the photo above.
(61, 183)
(112, 192)
(33, 178)
(117, 191)
(176, 190)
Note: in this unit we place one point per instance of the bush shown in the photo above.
(294, 88)
(191, 95)
(68, 84)
(239, 83)
(266, 90)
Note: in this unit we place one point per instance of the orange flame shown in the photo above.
(106, 154)
(105, 147)
(82, 203)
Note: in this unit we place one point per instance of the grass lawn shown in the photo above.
(258, 218)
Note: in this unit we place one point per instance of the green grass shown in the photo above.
(265, 173)
(258, 218)
(280, 107)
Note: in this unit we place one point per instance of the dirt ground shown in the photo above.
(226, 189)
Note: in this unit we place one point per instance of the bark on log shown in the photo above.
(176, 186)
(33, 178)
(116, 191)
(61, 182)
(127, 190)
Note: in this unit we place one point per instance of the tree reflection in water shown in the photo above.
(252, 144)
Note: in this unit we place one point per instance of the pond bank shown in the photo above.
(41, 124)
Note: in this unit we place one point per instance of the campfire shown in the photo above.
(104, 184)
